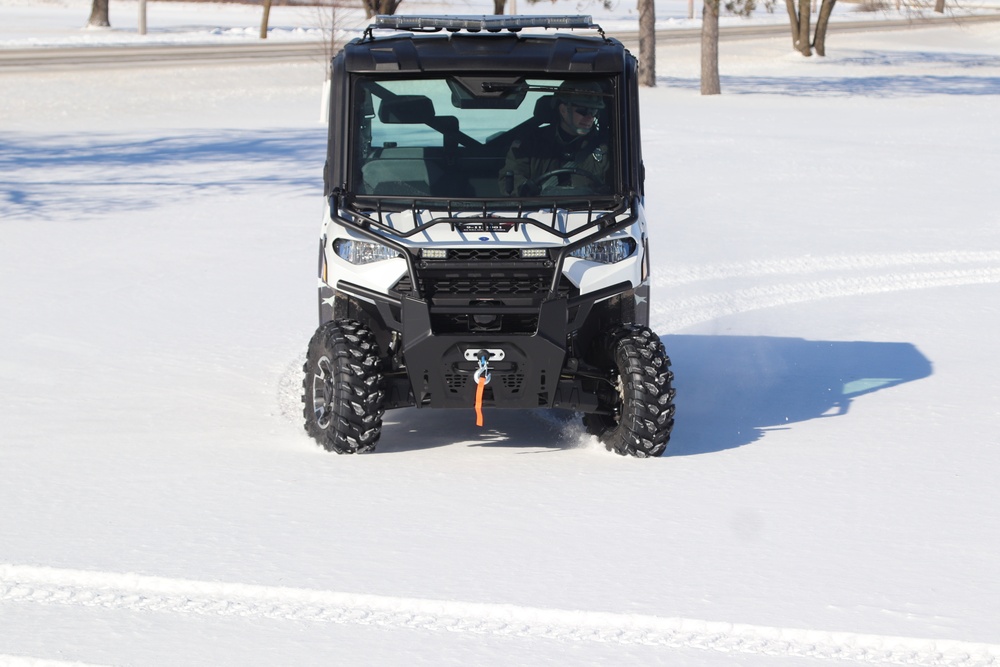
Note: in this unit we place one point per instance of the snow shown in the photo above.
(826, 267)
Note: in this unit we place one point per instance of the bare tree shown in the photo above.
(264, 20)
(799, 18)
(710, 48)
(819, 41)
(99, 15)
(326, 18)
(647, 43)
(710, 84)
(373, 7)
(801, 31)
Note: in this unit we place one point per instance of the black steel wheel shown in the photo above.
(639, 397)
(343, 388)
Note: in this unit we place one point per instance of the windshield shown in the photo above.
(483, 136)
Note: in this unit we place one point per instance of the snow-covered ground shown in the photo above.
(827, 261)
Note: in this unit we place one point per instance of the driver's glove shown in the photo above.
(527, 189)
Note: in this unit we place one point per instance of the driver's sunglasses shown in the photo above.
(586, 112)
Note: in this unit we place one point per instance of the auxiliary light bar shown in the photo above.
(477, 23)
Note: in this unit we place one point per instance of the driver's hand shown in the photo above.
(528, 189)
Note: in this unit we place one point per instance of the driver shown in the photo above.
(573, 144)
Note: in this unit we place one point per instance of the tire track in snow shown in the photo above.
(680, 275)
(7, 660)
(135, 592)
(683, 312)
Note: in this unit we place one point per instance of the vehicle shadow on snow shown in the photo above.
(731, 390)
(69, 175)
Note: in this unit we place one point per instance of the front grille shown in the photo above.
(492, 285)
(470, 282)
(484, 254)
(477, 285)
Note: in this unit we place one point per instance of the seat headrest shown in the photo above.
(406, 109)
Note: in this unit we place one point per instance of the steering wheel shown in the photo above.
(537, 182)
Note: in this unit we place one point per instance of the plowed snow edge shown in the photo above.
(135, 592)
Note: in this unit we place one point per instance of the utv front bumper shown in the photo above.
(524, 370)
(527, 370)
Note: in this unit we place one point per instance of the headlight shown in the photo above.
(606, 252)
(362, 252)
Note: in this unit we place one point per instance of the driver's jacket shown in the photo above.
(546, 149)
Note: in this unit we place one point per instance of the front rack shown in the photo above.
(372, 215)
(376, 229)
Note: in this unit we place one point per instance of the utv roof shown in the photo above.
(483, 43)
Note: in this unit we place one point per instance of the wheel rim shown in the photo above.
(322, 393)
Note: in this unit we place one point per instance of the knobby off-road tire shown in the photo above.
(643, 395)
(343, 388)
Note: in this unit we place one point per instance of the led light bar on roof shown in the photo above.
(477, 23)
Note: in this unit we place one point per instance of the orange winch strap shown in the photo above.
(479, 401)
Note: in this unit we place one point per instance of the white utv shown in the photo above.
(445, 284)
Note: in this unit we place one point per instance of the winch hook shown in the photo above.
(482, 377)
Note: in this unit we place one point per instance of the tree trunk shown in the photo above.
(793, 18)
(647, 43)
(804, 18)
(99, 15)
(939, 6)
(821, 24)
(710, 48)
(498, 6)
(373, 7)
(265, 19)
